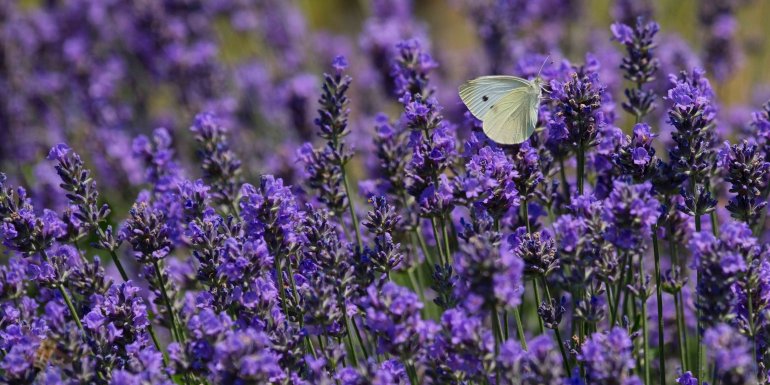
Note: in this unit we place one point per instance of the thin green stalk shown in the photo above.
(279, 279)
(66, 297)
(581, 167)
(360, 339)
(352, 346)
(537, 303)
(447, 249)
(172, 317)
(352, 208)
(681, 332)
(71, 307)
(645, 335)
(411, 372)
(520, 328)
(564, 356)
(563, 175)
(659, 297)
(699, 362)
(114, 256)
(496, 328)
(442, 256)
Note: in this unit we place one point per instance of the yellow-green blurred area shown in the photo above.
(451, 29)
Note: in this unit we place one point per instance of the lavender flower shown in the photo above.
(747, 173)
(639, 66)
(221, 167)
(393, 316)
(719, 262)
(692, 116)
(631, 213)
(731, 353)
(607, 357)
(637, 158)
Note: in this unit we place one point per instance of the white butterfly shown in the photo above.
(507, 106)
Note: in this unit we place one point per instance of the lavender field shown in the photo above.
(293, 192)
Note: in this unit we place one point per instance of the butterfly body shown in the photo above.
(506, 105)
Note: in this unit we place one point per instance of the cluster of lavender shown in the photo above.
(597, 252)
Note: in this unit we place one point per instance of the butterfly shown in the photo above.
(506, 105)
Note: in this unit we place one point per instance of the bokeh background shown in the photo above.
(97, 73)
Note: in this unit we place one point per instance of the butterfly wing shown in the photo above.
(513, 118)
(482, 93)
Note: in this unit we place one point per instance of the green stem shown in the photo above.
(71, 307)
(352, 346)
(563, 351)
(172, 318)
(645, 337)
(114, 256)
(537, 303)
(442, 256)
(352, 207)
(581, 167)
(681, 331)
(659, 297)
(360, 339)
(563, 175)
(520, 328)
(65, 296)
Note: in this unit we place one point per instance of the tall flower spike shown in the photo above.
(637, 158)
(730, 352)
(747, 173)
(720, 262)
(82, 193)
(221, 167)
(631, 211)
(608, 357)
(411, 70)
(692, 115)
(639, 65)
(381, 222)
(325, 167)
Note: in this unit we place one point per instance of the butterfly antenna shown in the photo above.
(543, 65)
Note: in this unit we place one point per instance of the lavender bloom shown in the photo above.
(145, 367)
(325, 167)
(631, 212)
(528, 172)
(747, 173)
(147, 232)
(221, 167)
(637, 158)
(21, 229)
(81, 189)
(411, 70)
(245, 356)
(381, 222)
(692, 116)
(330, 275)
(639, 65)
(489, 182)
(463, 348)
(393, 315)
(687, 378)
(488, 274)
(731, 353)
(719, 262)
(578, 117)
(722, 54)
(433, 150)
(537, 250)
(607, 357)
(540, 365)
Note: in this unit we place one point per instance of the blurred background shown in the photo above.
(97, 73)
